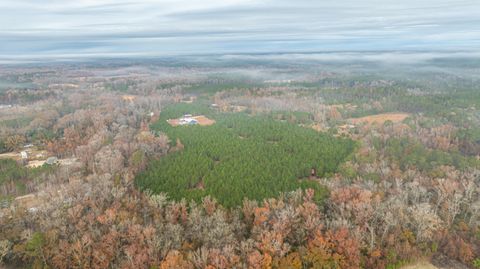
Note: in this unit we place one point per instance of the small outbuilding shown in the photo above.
(51, 160)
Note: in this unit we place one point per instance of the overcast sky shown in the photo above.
(91, 28)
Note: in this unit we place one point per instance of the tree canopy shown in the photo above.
(241, 156)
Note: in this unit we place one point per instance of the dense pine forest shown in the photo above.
(241, 156)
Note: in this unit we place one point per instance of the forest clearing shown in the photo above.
(30, 154)
(66, 161)
(420, 265)
(380, 118)
(200, 120)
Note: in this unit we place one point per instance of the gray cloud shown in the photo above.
(56, 28)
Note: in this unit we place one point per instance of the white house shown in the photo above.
(188, 121)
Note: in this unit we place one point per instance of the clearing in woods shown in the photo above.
(202, 120)
(420, 265)
(380, 118)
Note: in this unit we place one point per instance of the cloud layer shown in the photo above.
(94, 28)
